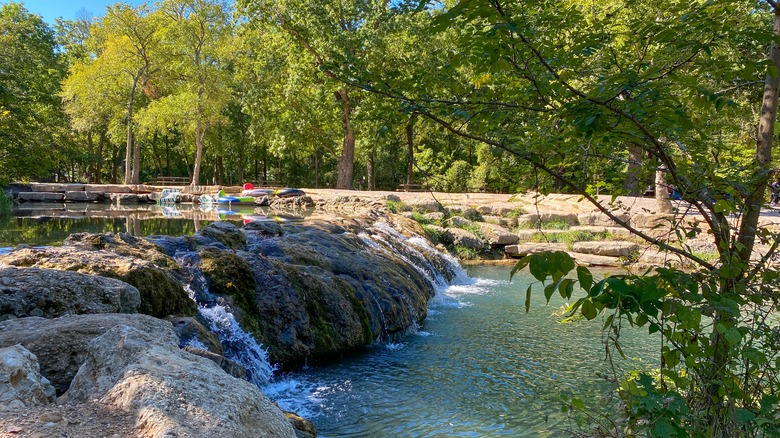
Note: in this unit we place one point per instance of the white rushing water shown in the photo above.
(239, 345)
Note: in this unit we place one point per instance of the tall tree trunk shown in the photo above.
(316, 167)
(410, 149)
(346, 165)
(157, 155)
(219, 170)
(241, 157)
(265, 162)
(129, 150)
(91, 154)
(662, 200)
(136, 161)
(766, 129)
(719, 413)
(199, 137)
(99, 162)
(371, 171)
(632, 184)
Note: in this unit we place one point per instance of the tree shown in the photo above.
(30, 72)
(563, 86)
(199, 35)
(126, 41)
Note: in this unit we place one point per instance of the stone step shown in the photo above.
(41, 196)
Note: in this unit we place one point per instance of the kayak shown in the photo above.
(235, 200)
(257, 192)
(288, 192)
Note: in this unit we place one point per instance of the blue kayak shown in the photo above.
(288, 192)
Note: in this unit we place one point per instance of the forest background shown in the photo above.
(579, 97)
(338, 95)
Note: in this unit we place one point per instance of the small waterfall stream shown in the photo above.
(240, 346)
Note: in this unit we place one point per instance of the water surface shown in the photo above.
(478, 366)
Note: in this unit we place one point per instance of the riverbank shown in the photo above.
(485, 226)
(166, 329)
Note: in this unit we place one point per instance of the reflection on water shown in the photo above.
(50, 224)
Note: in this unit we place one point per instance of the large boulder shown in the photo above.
(121, 256)
(171, 392)
(461, 237)
(457, 222)
(193, 333)
(606, 248)
(51, 293)
(496, 234)
(21, 383)
(60, 343)
(600, 219)
(424, 204)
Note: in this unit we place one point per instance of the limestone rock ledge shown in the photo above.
(171, 392)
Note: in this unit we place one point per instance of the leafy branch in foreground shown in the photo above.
(684, 309)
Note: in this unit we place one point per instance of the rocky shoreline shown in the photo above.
(119, 323)
(117, 335)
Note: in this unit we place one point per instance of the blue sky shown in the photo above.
(67, 9)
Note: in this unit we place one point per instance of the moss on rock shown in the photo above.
(161, 294)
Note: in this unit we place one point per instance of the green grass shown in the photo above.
(555, 224)
(432, 234)
(568, 238)
(473, 229)
(517, 212)
(464, 253)
(398, 206)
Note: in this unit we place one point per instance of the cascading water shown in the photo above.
(239, 345)
(437, 268)
(413, 251)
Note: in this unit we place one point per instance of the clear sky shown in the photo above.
(68, 9)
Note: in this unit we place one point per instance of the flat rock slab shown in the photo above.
(81, 196)
(108, 188)
(530, 233)
(595, 260)
(530, 248)
(601, 219)
(606, 248)
(41, 196)
(54, 187)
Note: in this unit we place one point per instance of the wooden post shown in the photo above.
(662, 199)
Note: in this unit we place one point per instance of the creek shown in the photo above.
(477, 366)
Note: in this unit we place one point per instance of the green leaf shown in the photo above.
(588, 310)
(721, 206)
(522, 263)
(744, 415)
(548, 291)
(585, 277)
(528, 299)
(566, 288)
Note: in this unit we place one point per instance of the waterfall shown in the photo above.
(418, 253)
(239, 345)
(439, 269)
